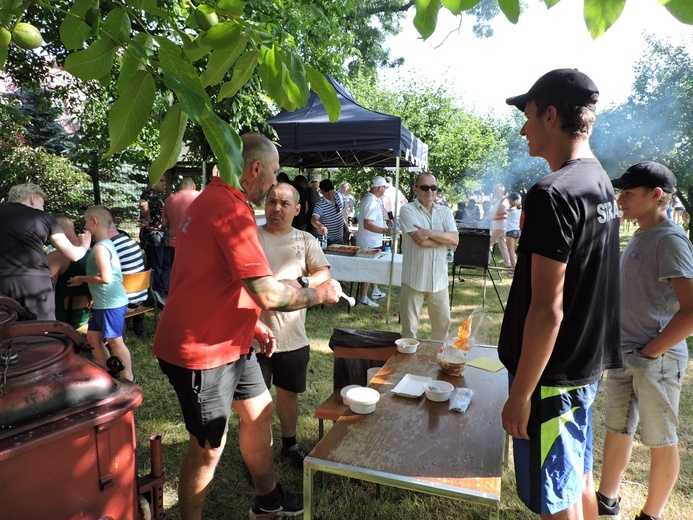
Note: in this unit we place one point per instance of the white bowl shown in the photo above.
(371, 373)
(344, 392)
(406, 345)
(362, 400)
(438, 391)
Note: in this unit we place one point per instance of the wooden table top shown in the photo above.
(420, 441)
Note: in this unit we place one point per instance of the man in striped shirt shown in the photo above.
(327, 217)
(131, 261)
(427, 230)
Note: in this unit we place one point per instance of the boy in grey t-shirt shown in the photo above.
(656, 318)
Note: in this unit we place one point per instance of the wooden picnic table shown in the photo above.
(417, 444)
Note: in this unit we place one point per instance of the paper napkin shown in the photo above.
(484, 363)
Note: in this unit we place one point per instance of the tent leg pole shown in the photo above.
(393, 247)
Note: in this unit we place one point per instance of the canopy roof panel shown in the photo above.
(360, 137)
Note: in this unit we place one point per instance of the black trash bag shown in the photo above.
(355, 371)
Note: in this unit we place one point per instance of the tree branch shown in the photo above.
(380, 9)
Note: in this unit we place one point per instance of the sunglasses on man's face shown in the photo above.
(426, 187)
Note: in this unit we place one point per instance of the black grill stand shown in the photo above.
(473, 253)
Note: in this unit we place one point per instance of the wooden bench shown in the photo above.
(136, 282)
(333, 407)
(133, 283)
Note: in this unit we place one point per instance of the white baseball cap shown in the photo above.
(378, 181)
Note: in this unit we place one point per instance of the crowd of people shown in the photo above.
(234, 318)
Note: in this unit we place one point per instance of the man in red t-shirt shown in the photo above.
(219, 283)
(175, 207)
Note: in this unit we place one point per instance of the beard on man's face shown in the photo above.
(259, 197)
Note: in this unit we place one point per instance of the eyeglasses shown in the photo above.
(425, 187)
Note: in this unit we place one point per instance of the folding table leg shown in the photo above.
(506, 451)
(307, 492)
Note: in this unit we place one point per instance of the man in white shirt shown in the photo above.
(372, 227)
(499, 222)
(427, 230)
(391, 193)
(348, 202)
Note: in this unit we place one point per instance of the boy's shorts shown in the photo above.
(550, 467)
(288, 370)
(206, 396)
(650, 388)
(109, 322)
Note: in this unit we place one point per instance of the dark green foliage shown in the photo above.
(61, 181)
(39, 117)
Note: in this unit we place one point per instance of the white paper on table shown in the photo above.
(411, 386)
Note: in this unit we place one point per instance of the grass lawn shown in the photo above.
(231, 494)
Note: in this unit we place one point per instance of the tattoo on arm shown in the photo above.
(273, 295)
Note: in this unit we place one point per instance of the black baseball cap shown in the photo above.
(326, 185)
(649, 174)
(561, 86)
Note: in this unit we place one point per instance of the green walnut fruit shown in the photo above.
(26, 36)
(206, 17)
(5, 37)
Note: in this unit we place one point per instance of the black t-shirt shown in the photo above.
(301, 220)
(23, 233)
(571, 216)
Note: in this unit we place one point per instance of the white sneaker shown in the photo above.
(368, 302)
(377, 295)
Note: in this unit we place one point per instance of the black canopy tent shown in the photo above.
(359, 138)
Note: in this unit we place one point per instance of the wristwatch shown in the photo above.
(303, 281)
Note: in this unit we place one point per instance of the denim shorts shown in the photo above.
(647, 388)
